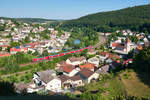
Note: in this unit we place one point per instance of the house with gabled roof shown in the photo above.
(70, 70)
(49, 79)
(88, 66)
(68, 82)
(95, 60)
(86, 75)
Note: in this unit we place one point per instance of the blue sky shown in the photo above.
(61, 9)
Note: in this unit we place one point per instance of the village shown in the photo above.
(75, 71)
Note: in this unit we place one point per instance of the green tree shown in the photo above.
(0, 48)
(35, 53)
(45, 53)
(142, 60)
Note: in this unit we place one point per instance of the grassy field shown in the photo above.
(106, 89)
(126, 84)
(134, 86)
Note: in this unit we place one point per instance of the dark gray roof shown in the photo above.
(103, 69)
(64, 78)
(86, 73)
(47, 76)
(45, 73)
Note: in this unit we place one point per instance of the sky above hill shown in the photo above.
(62, 9)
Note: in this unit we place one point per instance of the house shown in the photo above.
(94, 60)
(108, 60)
(68, 82)
(86, 75)
(114, 64)
(76, 81)
(70, 70)
(107, 33)
(103, 56)
(91, 52)
(4, 47)
(15, 38)
(2, 21)
(76, 61)
(28, 87)
(108, 57)
(49, 79)
(88, 66)
(146, 44)
(31, 88)
(20, 87)
(4, 54)
(65, 81)
(105, 69)
(16, 49)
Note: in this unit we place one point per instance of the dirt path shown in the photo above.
(4, 76)
(22, 65)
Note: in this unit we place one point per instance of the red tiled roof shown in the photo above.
(72, 59)
(4, 54)
(103, 53)
(63, 78)
(5, 45)
(75, 78)
(88, 65)
(68, 68)
(115, 44)
(110, 55)
(120, 46)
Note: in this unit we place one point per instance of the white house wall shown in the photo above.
(54, 85)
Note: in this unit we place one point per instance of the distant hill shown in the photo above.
(132, 16)
(38, 20)
(31, 20)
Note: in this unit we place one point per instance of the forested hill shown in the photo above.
(128, 17)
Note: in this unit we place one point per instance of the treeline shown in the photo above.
(142, 60)
(136, 18)
(11, 64)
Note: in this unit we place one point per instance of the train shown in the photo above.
(59, 55)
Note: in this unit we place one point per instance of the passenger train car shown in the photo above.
(61, 54)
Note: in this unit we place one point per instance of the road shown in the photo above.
(102, 40)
